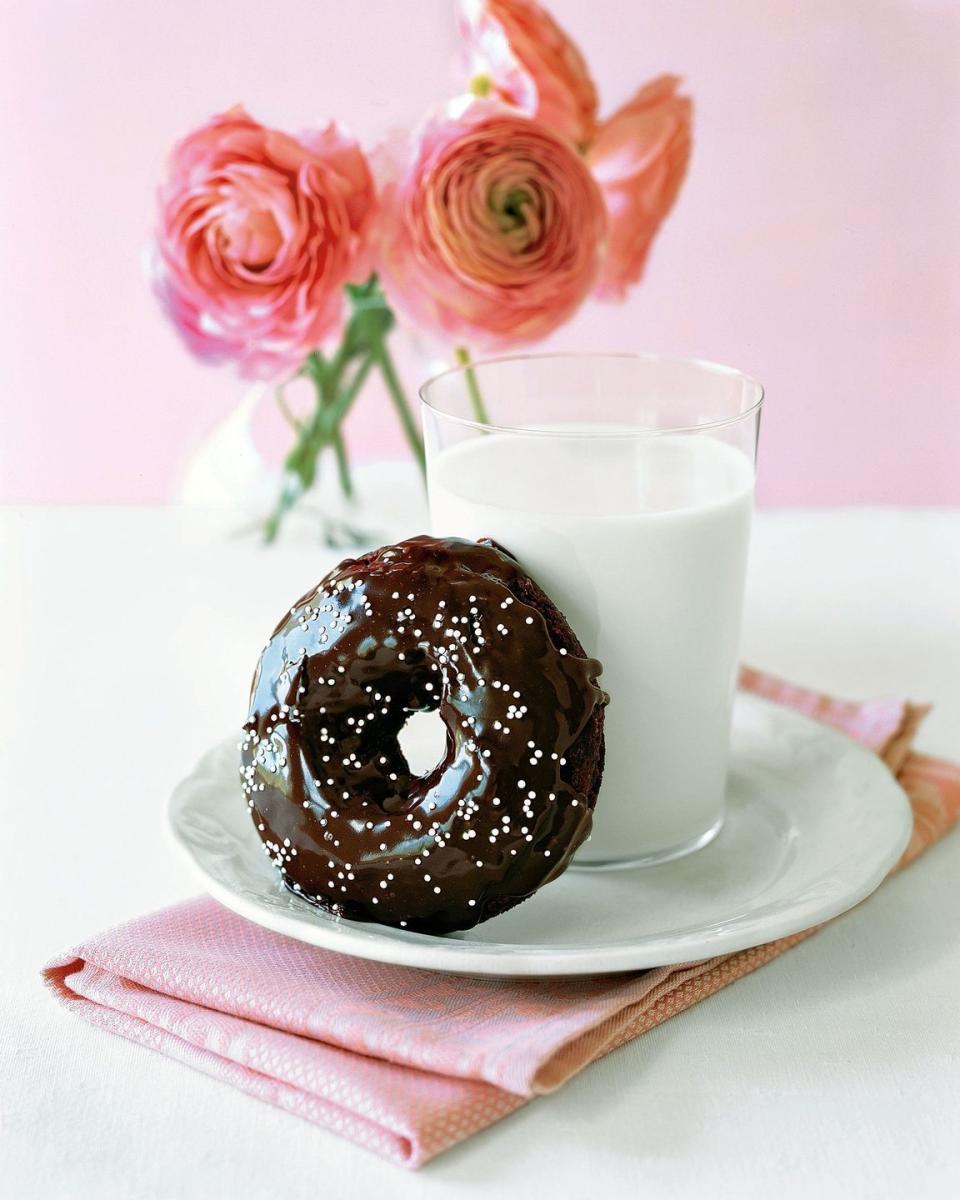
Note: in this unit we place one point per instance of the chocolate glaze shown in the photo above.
(428, 624)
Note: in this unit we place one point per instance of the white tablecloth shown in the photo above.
(132, 634)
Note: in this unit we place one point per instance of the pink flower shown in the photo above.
(532, 64)
(492, 227)
(257, 234)
(639, 157)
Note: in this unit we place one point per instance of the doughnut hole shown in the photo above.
(423, 741)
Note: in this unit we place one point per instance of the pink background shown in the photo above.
(815, 246)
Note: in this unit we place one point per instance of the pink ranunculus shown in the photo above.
(257, 234)
(532, 64)
(492, 227)
(639, 158)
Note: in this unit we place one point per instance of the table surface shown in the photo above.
(834, 1071)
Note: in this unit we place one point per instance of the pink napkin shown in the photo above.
(406, 1062)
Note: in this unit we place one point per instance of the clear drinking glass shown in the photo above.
(624, 485)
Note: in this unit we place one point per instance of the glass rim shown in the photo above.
(705, 364)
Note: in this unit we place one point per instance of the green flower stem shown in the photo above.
(364, 343)
(333, 373)
(341, 405)
(329, 385)
(323, 428)
(343, 464)
(281, 398)
(400, 403)
(462, 355)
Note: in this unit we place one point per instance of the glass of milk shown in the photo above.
(624, 485)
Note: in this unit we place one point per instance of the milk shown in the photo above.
(642, 543)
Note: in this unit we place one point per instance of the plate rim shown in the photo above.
(505, 960)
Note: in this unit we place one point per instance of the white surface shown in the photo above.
(814, 823)
(832, 1072)
(642, 543)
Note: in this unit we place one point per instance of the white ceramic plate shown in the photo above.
(814, 823)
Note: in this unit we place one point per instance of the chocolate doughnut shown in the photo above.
(428, 624)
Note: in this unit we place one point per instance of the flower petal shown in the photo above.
(532, 63)
(257, 234)
(639, 158)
